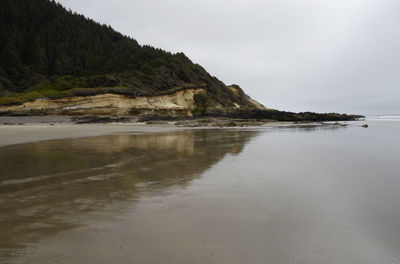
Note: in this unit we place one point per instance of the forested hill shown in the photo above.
(46, 49)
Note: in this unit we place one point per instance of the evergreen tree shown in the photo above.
(42, 42)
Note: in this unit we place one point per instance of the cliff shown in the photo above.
(180, 102)
(54, 60)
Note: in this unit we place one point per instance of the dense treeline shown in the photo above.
(45, 47)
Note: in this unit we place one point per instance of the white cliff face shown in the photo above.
(109, 103)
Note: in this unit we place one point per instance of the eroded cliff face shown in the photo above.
(181, 102)
(108, 104)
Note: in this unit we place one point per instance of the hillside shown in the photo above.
(47, 51)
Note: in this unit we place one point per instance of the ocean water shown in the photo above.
(280, 194)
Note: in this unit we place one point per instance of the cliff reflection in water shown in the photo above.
(47, 187)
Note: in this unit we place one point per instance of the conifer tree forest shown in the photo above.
(46, 50)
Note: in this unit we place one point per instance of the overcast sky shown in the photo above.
(298, 55)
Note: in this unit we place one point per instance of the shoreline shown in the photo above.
(27, 129)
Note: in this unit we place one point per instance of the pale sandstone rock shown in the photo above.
(109, 103)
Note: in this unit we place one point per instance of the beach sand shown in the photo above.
(16, 134)
(24, 129)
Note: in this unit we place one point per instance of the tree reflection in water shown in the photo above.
(47, 187)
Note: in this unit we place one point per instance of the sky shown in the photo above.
(295, 55)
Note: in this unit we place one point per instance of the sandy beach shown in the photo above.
(16, 134)
(24, 129)
(272, 194)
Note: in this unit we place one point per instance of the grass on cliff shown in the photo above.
(53, 94)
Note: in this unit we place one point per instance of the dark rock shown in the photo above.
(100, 119)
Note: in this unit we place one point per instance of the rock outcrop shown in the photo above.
(180, 102)
(107, 104)
(240, 93)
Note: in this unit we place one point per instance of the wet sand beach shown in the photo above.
(16, 134)
(277, 194)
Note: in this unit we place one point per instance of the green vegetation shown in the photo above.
(134, 111)
(48, 51)
(52, 93)
(203, 102)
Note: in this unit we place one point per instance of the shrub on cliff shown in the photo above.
(202, 102)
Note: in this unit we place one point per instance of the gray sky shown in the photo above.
(297, 55)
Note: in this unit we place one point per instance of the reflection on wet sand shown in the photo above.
(322, 194)
(48, 187)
